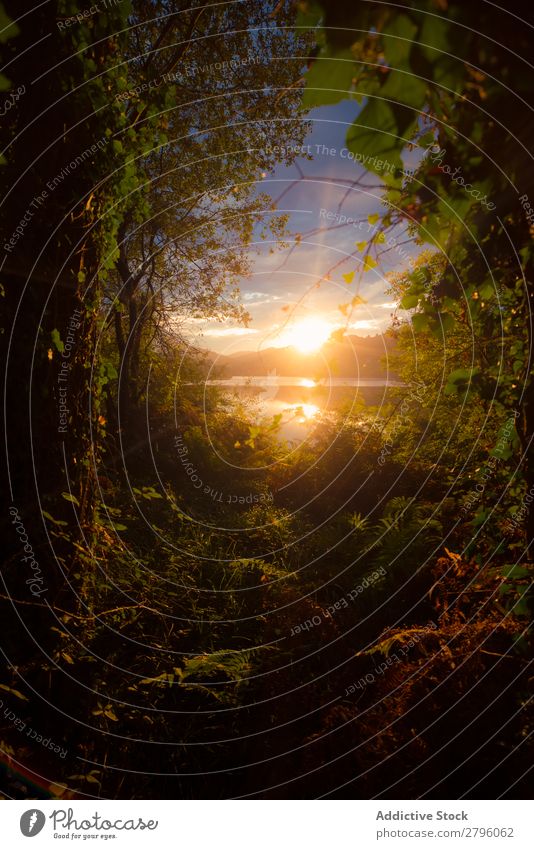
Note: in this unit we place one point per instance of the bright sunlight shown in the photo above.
(307, 335)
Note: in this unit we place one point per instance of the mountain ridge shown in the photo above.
(353, 356)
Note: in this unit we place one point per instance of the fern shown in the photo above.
(236, 665)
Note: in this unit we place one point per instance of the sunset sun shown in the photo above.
(307, 335)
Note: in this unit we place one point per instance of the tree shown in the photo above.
(210, 123)
(452, 87)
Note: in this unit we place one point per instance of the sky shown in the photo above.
(281, 294)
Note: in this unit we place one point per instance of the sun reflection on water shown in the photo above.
(304, 412)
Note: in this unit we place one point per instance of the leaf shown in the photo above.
(110, 370)
(14, 692)
(516, 570)
(398, 37)
(8, 28)
(487, 290)
(459, 375)
(57, 790)
(348, 278)
(51, 518)
(329, 79)
(404, 88)
(56, 341)
(448, 322)
(110, 713)
(420, 322)
(372, 219)
(338, 335)
(408, 302)
(377, 134)
(433, 40)
(369, 263)
(309, 16)
(161, 679)
(68, 497)
(461, 379)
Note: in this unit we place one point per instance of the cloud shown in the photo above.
(253, 296)
(365, 324)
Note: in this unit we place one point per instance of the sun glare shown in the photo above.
(304, 412)
(309, 410)
(307, 335)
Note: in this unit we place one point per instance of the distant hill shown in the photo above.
(355, 356)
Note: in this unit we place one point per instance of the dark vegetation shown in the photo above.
(165, 647)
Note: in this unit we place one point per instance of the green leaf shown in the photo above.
(398, 39)
(459, 375)
(309, 15)
(420, 322)
(8, 29)
(486, 291)
(516, 570)
(68, 497)
(110, 370)
(461, 379)
(377, 134)
(408, 302)
(329, 80)
(56, 341)
(51, 518)
(433, 38)
(405, 88)
(448, 322)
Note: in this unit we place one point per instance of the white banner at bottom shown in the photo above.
(347, 824)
